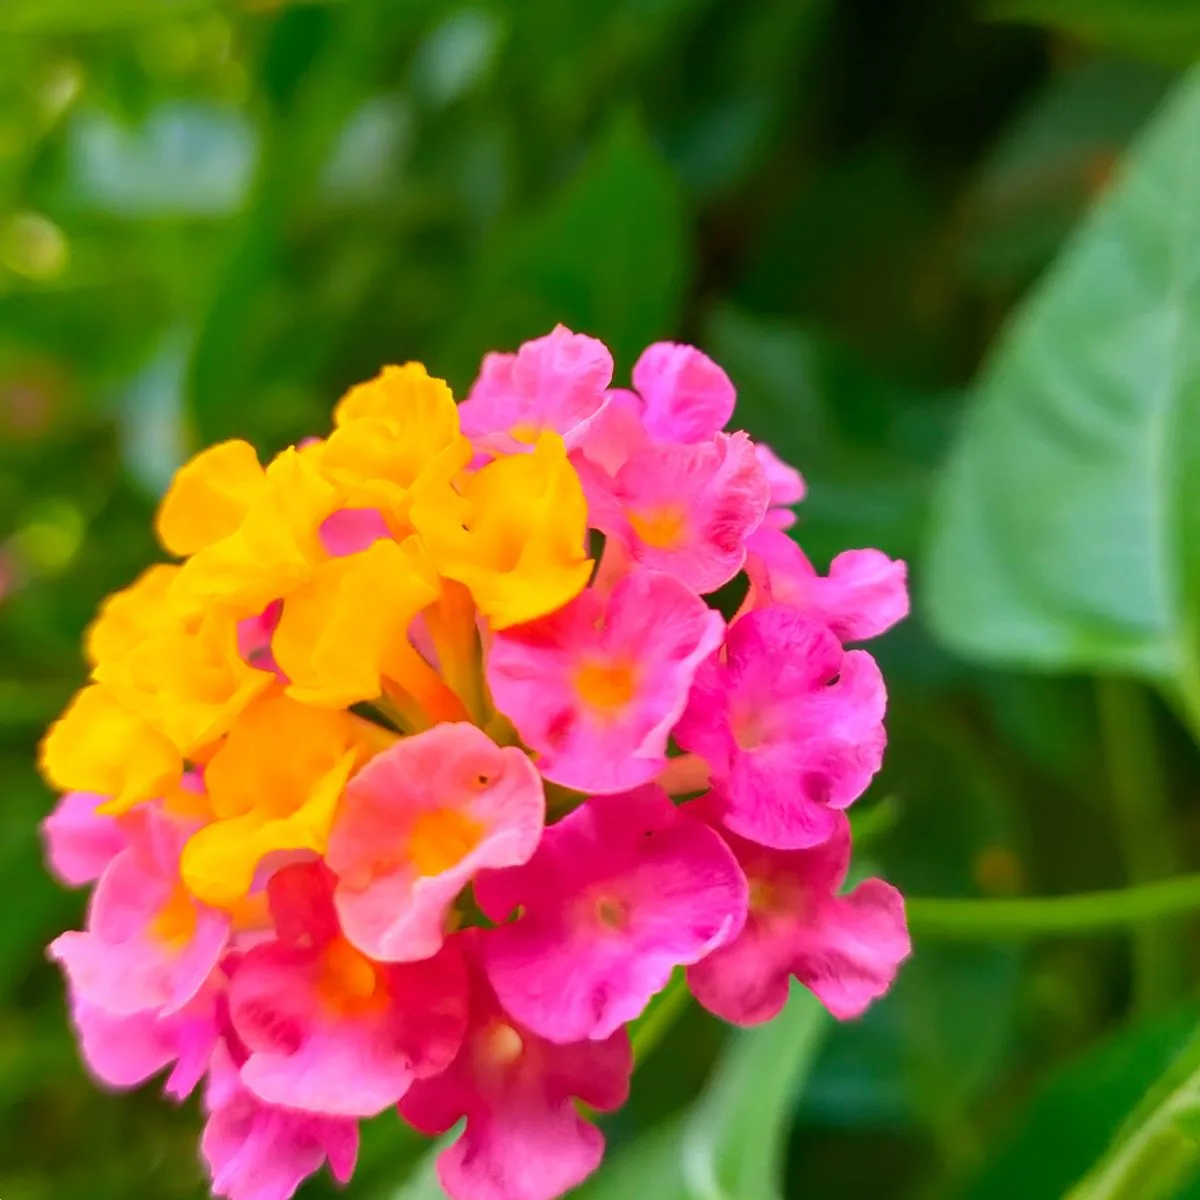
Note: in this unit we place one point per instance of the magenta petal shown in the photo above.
(687, 396)
(790, 724)
(524, 1138)
(351, 530)
(80, 842)
(846, 949)
(621, 892)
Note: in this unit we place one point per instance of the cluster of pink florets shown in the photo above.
(652, 788)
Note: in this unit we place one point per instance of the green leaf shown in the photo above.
(608, 257)
(1167, 30)
(731, 1145)
(1072, 1118)
(1065, 528)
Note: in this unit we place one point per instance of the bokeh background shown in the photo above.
(216, 216)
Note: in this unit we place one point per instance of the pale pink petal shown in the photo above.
(688, 509)
(787, 484)
(414, 827)
(557, 382)
(255, 1151)
(596, 688)
(130, 960)
(687, 396)
(621, 892)
(791, 725)
(79, 841)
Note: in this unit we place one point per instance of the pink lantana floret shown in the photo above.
(787, 487)
(258, 1151)
(79, 841)
(621, 892)
(595, 688)
(686, 397)
(125, 1051)
(149, 945)
(688, 509)
(327, 1030)
(791, 726)
(864, 594)
(416, 825)
(557, 382)
(845, 948)
(524, 1138)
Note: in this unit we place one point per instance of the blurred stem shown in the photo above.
(1155, 1153)
(1053, 916)
(1142, 820)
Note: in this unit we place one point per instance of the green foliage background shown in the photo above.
(954, 281)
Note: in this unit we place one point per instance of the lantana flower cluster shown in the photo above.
(427, 764)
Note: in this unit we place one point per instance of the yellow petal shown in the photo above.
(98, 745)
(340, 631)
(276, 753)
(219, 861)
(209, 497)
(516, 536)
(397, 436)
(274, 549)
(186, 679)
(128, 616)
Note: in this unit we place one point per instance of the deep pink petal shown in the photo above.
(621, 892)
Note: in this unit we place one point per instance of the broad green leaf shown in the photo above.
(608, 257)
(1073, 1116)
(1168, 30)
(1065, 530)
(731, 1144)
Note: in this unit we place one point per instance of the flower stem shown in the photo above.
(1142, 820)
(1053, 916)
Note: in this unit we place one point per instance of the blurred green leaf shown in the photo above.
(1067, 522)
(865, 447)
(1167, 30)
(608, 257)
(1071, 1119)
(731, 1144)
(1051, 162)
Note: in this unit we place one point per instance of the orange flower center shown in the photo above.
(663, 527)
(350, 983)
(441, 839)
(606, 687)
(175, 924)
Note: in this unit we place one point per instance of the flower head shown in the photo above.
(378, 782)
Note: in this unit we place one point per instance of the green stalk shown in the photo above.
(1053, 916)
(1142, 821)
